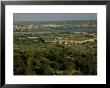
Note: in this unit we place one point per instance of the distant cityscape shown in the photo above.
(54, 25)
(61, 29)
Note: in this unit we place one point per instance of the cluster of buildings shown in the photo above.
(29, 27)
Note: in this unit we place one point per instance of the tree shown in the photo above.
(41, 39)
(55, 65)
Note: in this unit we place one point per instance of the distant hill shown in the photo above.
(58, 22)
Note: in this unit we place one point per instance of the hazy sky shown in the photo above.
(54, 16)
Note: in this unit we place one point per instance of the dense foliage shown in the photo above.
(54, 59)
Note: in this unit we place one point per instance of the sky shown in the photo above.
(53, 16)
